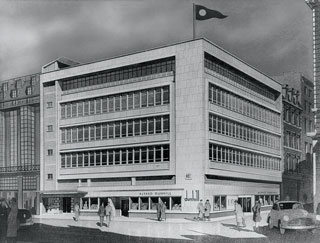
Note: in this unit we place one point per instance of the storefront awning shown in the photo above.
(62, 194)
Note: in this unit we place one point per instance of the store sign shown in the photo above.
(193, 196)
(156, 194)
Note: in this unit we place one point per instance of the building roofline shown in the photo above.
(164, 46)
(23, 76)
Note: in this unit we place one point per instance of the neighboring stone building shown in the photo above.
(20, 140)
(178, 124)
(298, 123)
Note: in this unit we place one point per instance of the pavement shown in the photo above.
(126, 229)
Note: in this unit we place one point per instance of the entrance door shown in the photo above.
(245, 203)
(66, 206)
(125, 207)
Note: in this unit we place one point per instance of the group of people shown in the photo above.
(105, 211)
(256, 209)
(161, 210)
(204, 210)
(8, 221)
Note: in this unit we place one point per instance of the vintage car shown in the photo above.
(290, 215)
(24, 215)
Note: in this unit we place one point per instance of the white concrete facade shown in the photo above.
(189, 174)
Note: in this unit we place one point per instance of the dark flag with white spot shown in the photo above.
(203, 13)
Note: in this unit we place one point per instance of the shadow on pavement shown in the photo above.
(235, 227)
(77, 234)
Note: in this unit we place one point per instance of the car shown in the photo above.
(24, 215)
(290, 215)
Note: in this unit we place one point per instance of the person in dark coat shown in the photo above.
(12, 222)
(3, 221)
(101, 213)
(159, 208)
(256, 215)
(207, 210)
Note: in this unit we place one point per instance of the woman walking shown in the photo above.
(76, 212)
(239, 214)
(207, 209)
(108, 213)
(256, 215)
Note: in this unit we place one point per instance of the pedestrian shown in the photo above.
(76, 212)
(108, 213)
(207, 209)
(3, 221)
(159, 208)
(239, 214)
(256, 215)
(12, 222)
(200, 209)
(101, 213)
(163, 211)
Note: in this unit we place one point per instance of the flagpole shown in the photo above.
(194, 22)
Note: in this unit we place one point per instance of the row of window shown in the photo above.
(292, 140)
(121, 156)
(118, 102)
(291, 163)
(128, 72)
(117, 129)
(238, 130)
(237, 76)
(292, 115)
(224, 154)
(243, 106)
(150, 203)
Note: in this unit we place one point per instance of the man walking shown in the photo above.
(239, 214)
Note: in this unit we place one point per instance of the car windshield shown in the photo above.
(290, 205)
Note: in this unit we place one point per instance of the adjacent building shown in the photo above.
(176, 124)
(297, 148)
(20, 140)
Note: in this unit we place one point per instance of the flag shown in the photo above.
(203, 13)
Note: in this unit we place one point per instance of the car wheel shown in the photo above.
(282, 230)
(270, 223)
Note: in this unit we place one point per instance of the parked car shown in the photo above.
(290, 215)
(24, 215)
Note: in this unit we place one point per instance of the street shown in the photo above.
(149, 230)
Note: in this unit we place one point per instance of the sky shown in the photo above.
(271, 35)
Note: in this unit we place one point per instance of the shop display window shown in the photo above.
(134, 203)
(267, 200)
(154, 202)
(220, 203)
(85, 203)
(144, 203)
(94, 203)
(176, 203)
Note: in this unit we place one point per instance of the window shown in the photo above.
(50, 177)
(29, 91)
(13, 93)
(50, 152)
(219, 203)
(50, 104)
(50, 128)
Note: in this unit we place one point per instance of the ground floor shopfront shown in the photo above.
(180, 202)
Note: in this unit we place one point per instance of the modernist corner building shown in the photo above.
(176, 124)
